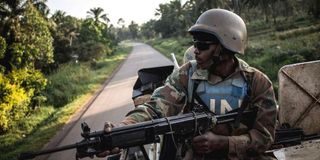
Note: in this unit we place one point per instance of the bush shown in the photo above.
(32, 81)
(68, 83)
(20, 93)
(14, 101)
(91, 50)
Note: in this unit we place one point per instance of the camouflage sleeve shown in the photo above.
(261, 136)
(165, 101)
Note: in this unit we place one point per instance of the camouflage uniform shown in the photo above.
(244, 142)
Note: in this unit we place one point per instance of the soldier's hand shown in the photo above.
(107, 128)
(209, 142)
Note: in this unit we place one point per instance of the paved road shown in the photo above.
(115, 99)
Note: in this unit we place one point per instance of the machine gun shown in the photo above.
(286, 136)
(183, 126)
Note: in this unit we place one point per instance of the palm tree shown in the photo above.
(41, 7)
(98, 16)
(121, 22)
(11, 12)
(172, 20)
(58, 16)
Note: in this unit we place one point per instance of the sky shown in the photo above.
(139, 11)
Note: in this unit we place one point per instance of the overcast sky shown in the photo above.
(139, 11)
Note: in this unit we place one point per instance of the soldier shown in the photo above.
(221, 82)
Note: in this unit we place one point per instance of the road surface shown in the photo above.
(114, 101)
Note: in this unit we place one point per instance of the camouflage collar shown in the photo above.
(202, 74)
(243, 66)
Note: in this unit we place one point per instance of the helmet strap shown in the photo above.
(216, 59)
(222, 57)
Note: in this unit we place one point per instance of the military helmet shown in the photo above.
(227, 26)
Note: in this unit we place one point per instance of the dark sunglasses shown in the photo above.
(202, 45)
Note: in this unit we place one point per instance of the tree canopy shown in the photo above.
(33, 44)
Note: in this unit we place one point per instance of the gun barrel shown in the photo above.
(30, 155)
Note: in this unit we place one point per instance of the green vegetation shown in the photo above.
(34, 46)
(43, 58)
(18, 90)
(269, 48)
(174, 18)
(73, 84)
(171, 45)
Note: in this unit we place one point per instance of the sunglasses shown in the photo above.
(203, 45)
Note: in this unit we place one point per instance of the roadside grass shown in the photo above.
(172, 45)
(269, 47)
(79, 81)
(270, 51)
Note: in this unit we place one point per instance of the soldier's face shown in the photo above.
(204, 57)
